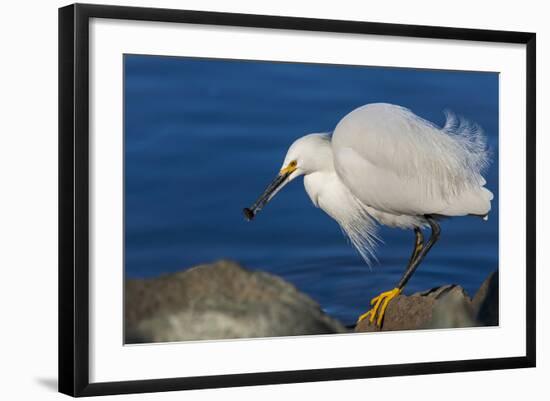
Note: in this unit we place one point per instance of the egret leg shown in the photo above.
(380, 303)
(436, 231)
(418, 245)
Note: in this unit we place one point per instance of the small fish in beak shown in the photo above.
(276, 185)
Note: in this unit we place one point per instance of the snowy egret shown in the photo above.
(385, 164)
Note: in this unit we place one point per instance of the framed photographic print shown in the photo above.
(276, 193)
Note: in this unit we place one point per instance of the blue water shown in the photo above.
(204, 137)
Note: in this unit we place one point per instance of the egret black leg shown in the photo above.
(418, 245)
(381, 302)
(414, 262)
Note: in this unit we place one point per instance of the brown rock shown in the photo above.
(446, 306)
(220, 300)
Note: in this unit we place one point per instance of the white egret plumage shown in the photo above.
(385, 164)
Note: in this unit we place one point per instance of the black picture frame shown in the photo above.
(74, 198)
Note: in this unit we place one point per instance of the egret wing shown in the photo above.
(399, 163)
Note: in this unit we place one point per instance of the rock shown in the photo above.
(444, 307)
(415, 311)
(220, 301)
(452, 310)
(485, 302)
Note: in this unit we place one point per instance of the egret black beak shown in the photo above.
(276, 185)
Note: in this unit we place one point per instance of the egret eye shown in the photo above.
(290, 168)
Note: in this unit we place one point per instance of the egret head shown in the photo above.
(306, 155)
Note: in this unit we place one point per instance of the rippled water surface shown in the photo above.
(204, 137)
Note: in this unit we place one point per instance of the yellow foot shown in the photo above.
(380, 303)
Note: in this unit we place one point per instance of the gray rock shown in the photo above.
(486, 301)
(452, 310)
(220, 301)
